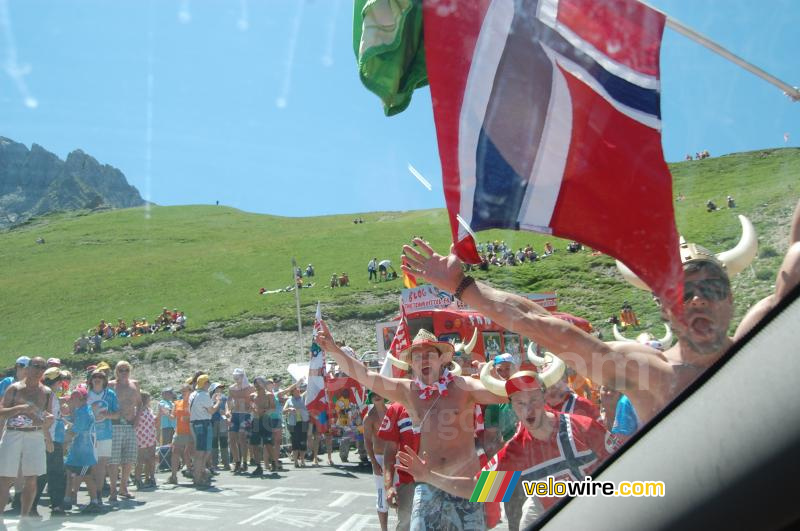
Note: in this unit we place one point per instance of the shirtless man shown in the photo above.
(261, 437)
(239, 409)
(124, 448)
(441, 407)
(649, 378)
(548, 443)
(375, 446)
(26, 411)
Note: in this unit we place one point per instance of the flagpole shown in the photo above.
(297, 301)
(702, 40)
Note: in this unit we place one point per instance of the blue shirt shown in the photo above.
(81, 452)
(167, 406)
(5, 383)
(222, 401)
(626, 421)
(104, 400)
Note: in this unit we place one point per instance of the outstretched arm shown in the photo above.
(788, 278)
(608, 364)
(409, 461)
(392, 388)
(479, 394)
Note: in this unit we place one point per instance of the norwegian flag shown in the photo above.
(548, 119)
(401, 341)
(316, 396)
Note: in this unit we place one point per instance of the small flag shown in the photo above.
(401, 341)
(495, 486)
(316, 400)
(408, 280)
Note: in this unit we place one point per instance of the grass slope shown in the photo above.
(210, 261)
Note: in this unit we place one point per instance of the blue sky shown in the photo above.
(257, 103)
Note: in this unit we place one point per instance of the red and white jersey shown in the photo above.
(398, 428)
(575, 448)
(575, 404)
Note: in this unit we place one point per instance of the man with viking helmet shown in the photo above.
(648, 377)
(567, 447)
(441, 406)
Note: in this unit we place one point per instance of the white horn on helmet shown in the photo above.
(468, 347)
(403, 366)
(555, 372)
(494, 385)
(739, 257)
(551, 374)
(631, 277)
(619, 337)
(667, 339)
(456, 370)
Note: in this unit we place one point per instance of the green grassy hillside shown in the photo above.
(210, 261)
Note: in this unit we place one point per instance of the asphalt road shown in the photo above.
(341, 497)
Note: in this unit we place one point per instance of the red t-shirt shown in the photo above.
(575, 448)
(396, 428)
(575, 404)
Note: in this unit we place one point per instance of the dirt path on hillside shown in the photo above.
(167, 363)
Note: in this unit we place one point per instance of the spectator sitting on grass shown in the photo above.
(334, 281)
(310, 271)
(122, 328)
(344, 280)
(710, 206)
(180, 322)
(81, 344)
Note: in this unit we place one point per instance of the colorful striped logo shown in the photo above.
(495, 487)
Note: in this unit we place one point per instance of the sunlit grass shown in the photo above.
(211, 261)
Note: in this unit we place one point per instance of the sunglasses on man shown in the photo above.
(712, 289)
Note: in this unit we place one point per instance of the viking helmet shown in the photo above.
(646, 338)
(732, 261)
(548, 370)
(424, 337)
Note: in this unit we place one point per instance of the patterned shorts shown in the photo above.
(124, 449)
(435, 509)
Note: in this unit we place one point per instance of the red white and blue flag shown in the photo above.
(316, 396)
(400, 342)
(548, 119)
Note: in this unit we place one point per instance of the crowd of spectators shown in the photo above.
(203, 428)
(499, 254)
(92, 339)
(699, 155)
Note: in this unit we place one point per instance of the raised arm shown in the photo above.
(479, 394)
(392, 388)
(788, 278)
(609, 364)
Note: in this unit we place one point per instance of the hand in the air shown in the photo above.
(444, 272)
(325, 339)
